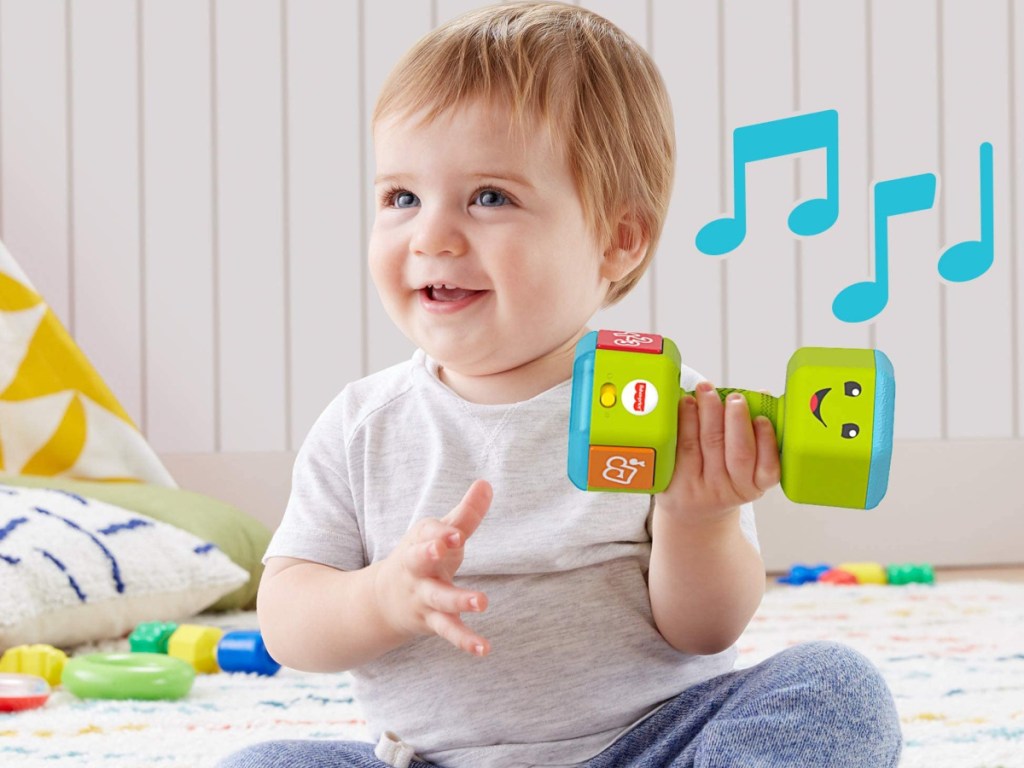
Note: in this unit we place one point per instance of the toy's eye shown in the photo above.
(850, 430)
(852, 389)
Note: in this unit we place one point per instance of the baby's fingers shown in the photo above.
(767, 471)
(470, 511)
(442, 596)
(452, 629)
(425, 559)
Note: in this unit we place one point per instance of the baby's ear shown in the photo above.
(628, 248)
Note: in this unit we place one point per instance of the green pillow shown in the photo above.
(238, 535)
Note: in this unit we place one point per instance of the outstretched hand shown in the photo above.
(415, 583)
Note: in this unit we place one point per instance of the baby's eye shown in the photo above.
(491, 198)
(402, 198)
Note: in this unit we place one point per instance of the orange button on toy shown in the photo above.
(614, 467)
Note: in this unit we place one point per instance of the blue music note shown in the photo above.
(893, 197)
(972, 258)
(762, 141)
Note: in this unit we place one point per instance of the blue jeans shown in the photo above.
(816, 704)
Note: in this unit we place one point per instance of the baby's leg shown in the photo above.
(308, 754)
(816, 704)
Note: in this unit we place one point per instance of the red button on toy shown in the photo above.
(629, 341)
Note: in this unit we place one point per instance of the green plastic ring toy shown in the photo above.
(127, 676)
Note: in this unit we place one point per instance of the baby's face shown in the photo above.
(497, 219)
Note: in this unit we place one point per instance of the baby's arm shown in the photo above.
(317, 618)
(706, 579)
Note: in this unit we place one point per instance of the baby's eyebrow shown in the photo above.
(505, 176)
(388, 177)
(498, 176)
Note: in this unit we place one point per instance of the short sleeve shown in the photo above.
(748, 525)
(322, 522)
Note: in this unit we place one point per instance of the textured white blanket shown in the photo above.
(953, 655)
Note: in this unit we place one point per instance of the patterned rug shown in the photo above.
(953, 655)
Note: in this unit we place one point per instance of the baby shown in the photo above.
(491, 613)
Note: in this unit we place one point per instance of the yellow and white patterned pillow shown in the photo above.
(58, 418)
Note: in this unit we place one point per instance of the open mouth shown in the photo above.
(449, 293)
(447, 298)
(816, 399)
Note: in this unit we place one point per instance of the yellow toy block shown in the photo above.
(43, 661)
(197, 645)
(866, 573)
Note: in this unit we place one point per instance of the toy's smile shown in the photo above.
(816, 399)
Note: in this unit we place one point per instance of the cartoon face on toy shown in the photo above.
(834, 398)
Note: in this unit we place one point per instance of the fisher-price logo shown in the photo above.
(639, 397)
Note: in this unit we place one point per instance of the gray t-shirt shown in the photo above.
(575, 658)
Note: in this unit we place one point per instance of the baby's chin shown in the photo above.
(504, 379)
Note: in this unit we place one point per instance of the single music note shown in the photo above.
(761, 141)
(972, 258)
(893, 197)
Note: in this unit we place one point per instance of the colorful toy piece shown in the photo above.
(837, 576)
(909, 573)
(19, 692)
(43, 661)
(151, 636)
(244, 651)
(833, 426)
(861, 573)
(197, 645)
(128, 676)
(206, 649)
(866, 573)
(803, 574)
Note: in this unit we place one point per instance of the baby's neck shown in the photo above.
(514, 385)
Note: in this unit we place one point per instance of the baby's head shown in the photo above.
(547, 86)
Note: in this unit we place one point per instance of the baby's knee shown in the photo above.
(839, 667)
(855, 687)
(262, 755)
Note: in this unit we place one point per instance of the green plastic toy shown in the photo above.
(833, 426)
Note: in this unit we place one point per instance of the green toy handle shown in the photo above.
(759, 403)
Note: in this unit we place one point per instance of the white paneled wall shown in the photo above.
(188, 183)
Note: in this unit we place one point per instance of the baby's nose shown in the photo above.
(437, 232)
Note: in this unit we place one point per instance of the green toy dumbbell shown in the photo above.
(833, 426)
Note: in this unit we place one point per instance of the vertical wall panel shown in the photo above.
(34, 149)
(105, 186)
(390, 29)
(1017, 186)
(449, 9)
(761, 272)
(905, 141)
(324, 185)
(832, 56)
(178, 225)
(220, 285)
(687, 284)
(975, 109)
(250, 248)
(633, 312)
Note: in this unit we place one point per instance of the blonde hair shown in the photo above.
(597, 90)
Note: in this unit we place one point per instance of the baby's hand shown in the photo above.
(722, 458)
(415, 586)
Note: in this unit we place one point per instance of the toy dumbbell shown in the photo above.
(833, 426)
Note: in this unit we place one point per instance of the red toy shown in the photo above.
(18, 692)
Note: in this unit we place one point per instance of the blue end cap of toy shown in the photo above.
(579, 410)
(881, 443)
